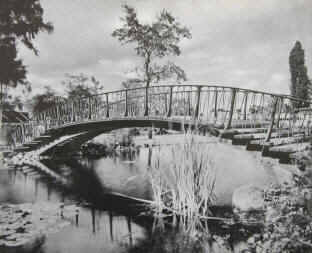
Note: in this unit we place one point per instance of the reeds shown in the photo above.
(183, 187)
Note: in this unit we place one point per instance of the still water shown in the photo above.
(106, 224)
(98, 230)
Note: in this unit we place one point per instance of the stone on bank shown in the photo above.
(248, 198)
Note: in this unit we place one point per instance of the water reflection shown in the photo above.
(128, 172)
(96, 230)
(110, 224)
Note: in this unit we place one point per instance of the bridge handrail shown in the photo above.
(223, 105)
(283, 96)
(199, 85)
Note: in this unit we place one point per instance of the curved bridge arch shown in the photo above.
(219, 107)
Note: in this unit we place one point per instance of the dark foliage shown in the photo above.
(20, 20)
(300, 83)
(45, 100)
(79, 86)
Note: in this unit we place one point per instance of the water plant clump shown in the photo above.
(183, 187)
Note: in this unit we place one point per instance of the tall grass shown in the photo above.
(183, 187)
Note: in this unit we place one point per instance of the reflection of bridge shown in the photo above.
(263, 121)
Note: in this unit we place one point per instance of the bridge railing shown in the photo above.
(224, 107)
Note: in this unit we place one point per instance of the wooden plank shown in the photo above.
(228, 134)
(243, 139)
(284, 140)
(291, 148)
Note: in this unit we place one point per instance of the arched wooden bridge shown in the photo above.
(272, 123)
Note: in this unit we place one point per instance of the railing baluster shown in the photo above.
(280, 108)
(197, 102)
(107, 106)
(170, 103)
(233, 96)
(126, 105)
(146, 102)
(216, 105)
(89, 109)
(189, 103)
(245, 106)
(269, 132)
(73, 111)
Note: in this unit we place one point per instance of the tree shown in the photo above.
(131, 83)
(45, 100)
(79, 86)
(20, 20)
(300, 83)
(153, 42)
(12, 70)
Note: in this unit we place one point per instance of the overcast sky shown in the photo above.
(242, 43)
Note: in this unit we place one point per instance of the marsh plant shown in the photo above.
(183, 187)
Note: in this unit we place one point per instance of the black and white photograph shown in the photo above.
(155, 126)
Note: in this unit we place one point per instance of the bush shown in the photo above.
(288, 226)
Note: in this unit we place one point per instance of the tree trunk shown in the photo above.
(148, 81)
(1, 131)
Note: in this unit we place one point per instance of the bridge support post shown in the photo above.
(146, 102)
(89, 109)
(269, 132)
(126, 103)
(233, 96)
(197, 102)
(73, 111)
(245, 107)
(216, 105)
(189, 107)
(170, 103)
(107, 106)
(280, 108)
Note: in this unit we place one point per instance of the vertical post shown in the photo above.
(111, 225)
(57, 116)
(269, 132)
(107, 106)
(280, 105)
(189, 103)
(166, 105)
(79, 110)
(245, 107)
(130, 230)
(89, 108)
(197, 102)
(93, 220)
(73, 111)
(216, 104)
(126, 106)
(170, 103)
(146, 102)
(229, 122)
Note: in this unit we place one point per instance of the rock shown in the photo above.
(248, 198)
(271, 214)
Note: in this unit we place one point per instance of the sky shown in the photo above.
(242, 43)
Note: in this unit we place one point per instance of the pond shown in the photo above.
(106, 224)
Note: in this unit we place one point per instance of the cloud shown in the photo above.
(243, 43)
